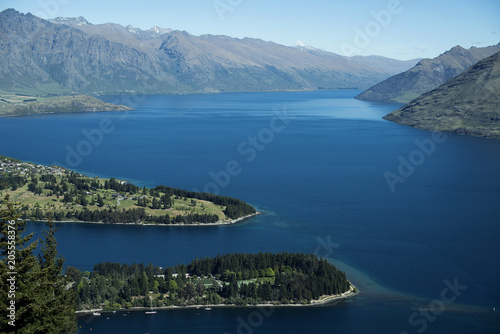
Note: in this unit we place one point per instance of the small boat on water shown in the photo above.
(96, 313)
(151, 311)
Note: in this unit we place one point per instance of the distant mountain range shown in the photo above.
(128, 35)
(466, 104)
(71, 55)
(426, 75)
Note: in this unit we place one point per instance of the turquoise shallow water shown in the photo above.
(316, 169)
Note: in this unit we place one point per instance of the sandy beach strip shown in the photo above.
(219, 223)
(324, 300)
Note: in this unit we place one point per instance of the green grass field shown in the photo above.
(48, 202)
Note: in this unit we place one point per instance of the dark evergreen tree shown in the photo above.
(155, 204)
(25, 266)
(58, 305)
(36, 280)
(100, 201)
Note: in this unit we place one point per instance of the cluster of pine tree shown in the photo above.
(12, 181)
(241, 279)
(42, 299)
(134, 216)
(297, 276)
(235, 208)
(113, 216)
(83, 183)
(190, 218)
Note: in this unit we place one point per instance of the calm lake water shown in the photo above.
(410, 216)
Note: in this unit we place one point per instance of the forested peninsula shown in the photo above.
(38, 285)
(66, 196)
(277, 279)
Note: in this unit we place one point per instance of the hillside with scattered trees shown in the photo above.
(70, 196)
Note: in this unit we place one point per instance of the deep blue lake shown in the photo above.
(408, 215)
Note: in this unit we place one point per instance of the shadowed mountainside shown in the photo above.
(467, 104)
(426, 75)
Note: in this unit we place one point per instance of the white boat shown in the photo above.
(151, 311)
(96, 313)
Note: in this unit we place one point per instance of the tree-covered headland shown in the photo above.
(230, 279)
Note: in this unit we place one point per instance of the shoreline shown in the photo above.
(219, 223)
(323, 301)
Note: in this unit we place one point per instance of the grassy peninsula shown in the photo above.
(272, 279)
(64, 195)
(24, 105)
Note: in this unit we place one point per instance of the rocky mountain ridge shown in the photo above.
(466, 104)
(426, 75)
(73, 55)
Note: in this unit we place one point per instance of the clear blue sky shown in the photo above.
(413, 28)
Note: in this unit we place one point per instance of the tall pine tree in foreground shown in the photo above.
(24, 265)
(59, 300)
(43, 302)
